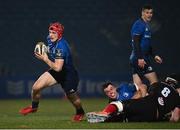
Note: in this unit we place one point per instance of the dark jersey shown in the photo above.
(161, 100)
(166, 96)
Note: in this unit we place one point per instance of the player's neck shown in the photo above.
(146, 21)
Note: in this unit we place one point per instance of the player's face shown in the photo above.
(111, 92)
(147, 15)
(53, 35)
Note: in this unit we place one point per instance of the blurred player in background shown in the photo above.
(61, 71)
(163, 98)
(142, 49)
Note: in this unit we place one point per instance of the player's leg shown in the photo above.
(140, 110)
(70, 87)
(137, 77)
(107, 113)
(143, 109)
(75, 100)
(96, 117)
(45, 80)
(152, 77)
(138, 82)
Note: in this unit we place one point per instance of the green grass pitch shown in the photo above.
(57, 114)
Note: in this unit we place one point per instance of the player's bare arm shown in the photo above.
(57, 65)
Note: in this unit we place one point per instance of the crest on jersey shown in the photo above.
(59, 52)
(146, 29)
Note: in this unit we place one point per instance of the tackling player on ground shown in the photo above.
(163, 98)
(61, 71)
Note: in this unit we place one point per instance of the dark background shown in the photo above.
(97, 30)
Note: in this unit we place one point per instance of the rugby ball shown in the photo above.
(40, 48)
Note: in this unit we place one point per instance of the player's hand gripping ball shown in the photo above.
(40, 48)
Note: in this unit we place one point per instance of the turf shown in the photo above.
(57, 114)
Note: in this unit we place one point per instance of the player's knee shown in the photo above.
(36, 87)
(77, 102)
(119, 105)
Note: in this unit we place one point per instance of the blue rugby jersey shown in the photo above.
(125, 91)
(61, 50)
(141, 28)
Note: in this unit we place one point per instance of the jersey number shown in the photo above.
(165, 92)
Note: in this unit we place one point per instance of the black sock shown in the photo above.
(35, 104)
(79, 111)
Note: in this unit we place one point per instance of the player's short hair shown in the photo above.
(146, 6)
(106, 84)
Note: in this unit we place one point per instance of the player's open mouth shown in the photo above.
(112, 95)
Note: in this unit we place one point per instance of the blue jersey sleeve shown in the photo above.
(137, 29)
(125, 91)
(59, 52)
(55, 50)
(128, 87)
(131, 87)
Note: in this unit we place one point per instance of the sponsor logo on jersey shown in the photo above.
(71, 91)
(161, 101)
(125, 94)
(149, 68)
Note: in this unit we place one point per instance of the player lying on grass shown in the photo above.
(123, 92)
(163, 99)
(62, 71)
